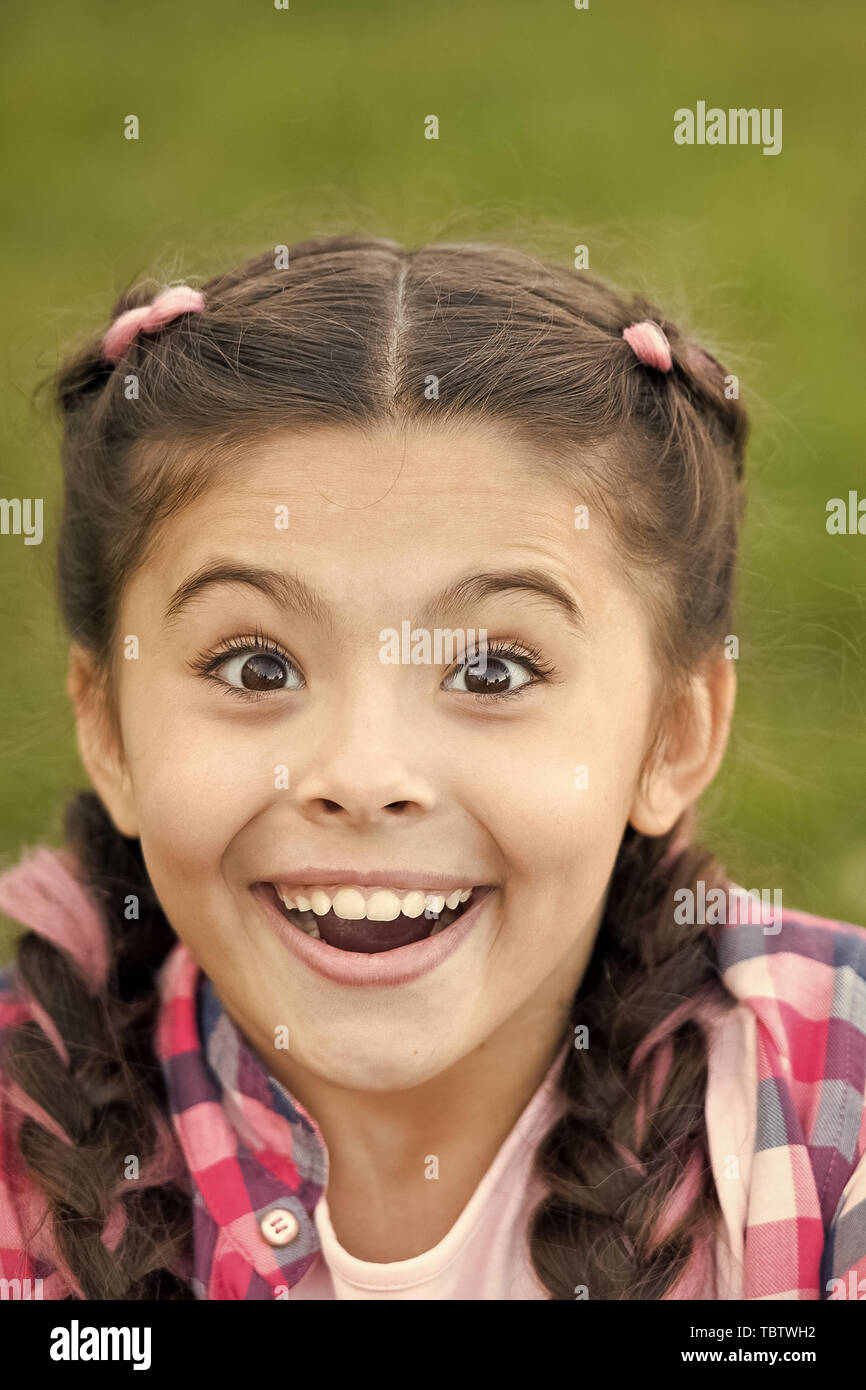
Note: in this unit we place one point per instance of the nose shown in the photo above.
(365, 771)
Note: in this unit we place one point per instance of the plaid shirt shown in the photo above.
(245, 1150)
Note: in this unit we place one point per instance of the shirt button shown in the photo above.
(279, 1227)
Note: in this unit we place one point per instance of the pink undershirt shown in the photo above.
(484, 1255)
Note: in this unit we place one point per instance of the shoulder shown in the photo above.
(800, 973)
(803, 978)
(15, 1007)
(27, 1269)
(800, 983)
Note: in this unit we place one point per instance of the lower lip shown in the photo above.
(398, 967)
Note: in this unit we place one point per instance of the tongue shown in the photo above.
(372, 936)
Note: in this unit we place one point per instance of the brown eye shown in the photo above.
(487, 680)
(262, 673)
(490, 677)
(258, 671)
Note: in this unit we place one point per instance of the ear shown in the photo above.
(99, 742)
(693, 748)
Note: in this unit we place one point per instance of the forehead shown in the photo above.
(395, 513)
(340, 472)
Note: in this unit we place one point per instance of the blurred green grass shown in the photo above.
(261, 126)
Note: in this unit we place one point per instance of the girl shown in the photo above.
(381, 963)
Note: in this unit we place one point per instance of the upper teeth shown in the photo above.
(376, 904)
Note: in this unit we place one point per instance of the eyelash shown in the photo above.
(207, 662)
(527, 656)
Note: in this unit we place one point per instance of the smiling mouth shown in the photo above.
(372, 920)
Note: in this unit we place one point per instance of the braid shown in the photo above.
(631, 1135)
(108, 1098)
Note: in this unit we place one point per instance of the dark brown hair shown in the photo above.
(349, 332)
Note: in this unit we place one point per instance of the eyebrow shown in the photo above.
(284, 589)
(289, 591)
(473, 588)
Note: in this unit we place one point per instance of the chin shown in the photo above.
(378, 1065)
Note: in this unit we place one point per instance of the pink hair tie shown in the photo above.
(149, 318)
(649, 344)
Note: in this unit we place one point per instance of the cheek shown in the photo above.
(195, 786)
(556, 799)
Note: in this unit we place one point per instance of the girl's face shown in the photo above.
(339, 767)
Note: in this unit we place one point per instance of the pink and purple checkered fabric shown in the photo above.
(241, 1146)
